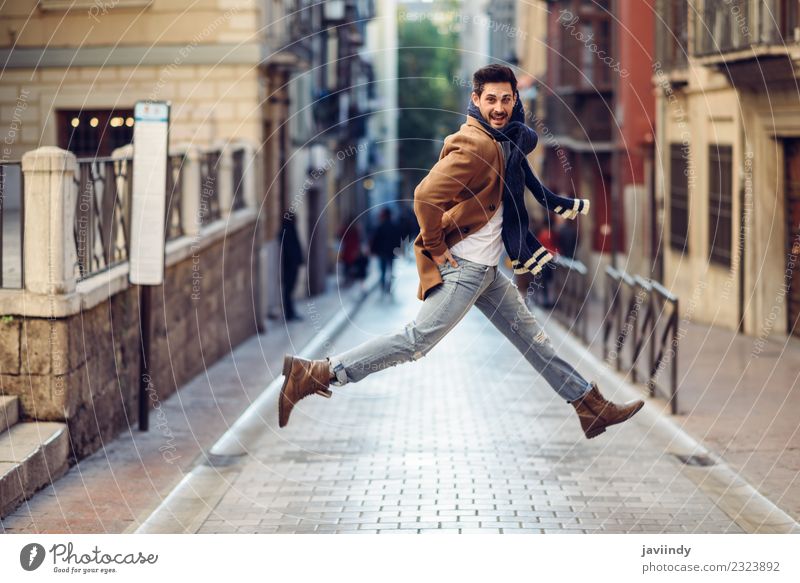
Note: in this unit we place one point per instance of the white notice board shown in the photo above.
(150, 143)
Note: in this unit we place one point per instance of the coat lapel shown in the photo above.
(471, 121)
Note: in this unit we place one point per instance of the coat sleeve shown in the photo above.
(566, 207)
(449, 176)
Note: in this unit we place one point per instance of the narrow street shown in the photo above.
(468, 439)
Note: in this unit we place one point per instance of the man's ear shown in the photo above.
(475, 99)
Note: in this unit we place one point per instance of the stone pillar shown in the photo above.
(50, 197)
(225, 181)
(190, 195)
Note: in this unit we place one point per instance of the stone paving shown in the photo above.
(739, 395)
(123, 482)
(468, 439)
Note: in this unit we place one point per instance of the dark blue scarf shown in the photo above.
(525, 251)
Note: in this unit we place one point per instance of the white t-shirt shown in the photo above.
(485, 246)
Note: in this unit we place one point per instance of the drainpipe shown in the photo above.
(742, 232)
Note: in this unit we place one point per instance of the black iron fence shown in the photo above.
(174, 203)
(572, 286)
(209, 187)
(238, 160)
(12, 225)
(102, 213)
(641, 316)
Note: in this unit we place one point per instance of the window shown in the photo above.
(720, 199)
(679, 198)
(90, 133)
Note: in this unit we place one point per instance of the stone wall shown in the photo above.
(83, 369)
(203, 321)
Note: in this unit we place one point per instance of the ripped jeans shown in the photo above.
(469, 284)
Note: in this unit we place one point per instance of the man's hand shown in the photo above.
(440, 259)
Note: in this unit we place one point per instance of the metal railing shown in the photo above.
(173, 217)
(238, 159)
(671, 20)
(12, 252)
(101, 228)
(102, 214)
(103, 210)
(639, 314)
(728, 25)
(209, 187)
(572, 287)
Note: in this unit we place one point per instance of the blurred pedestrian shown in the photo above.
(384, 244)
(567, 237)
(291, 254)
(361, 267)
(350, 248)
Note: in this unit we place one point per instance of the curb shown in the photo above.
(188, 504)
(729, 491)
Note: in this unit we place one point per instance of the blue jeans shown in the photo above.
(469, 284)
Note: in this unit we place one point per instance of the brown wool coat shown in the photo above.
(458, 196)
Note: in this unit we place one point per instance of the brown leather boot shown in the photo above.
(596, 412)
(302, 378)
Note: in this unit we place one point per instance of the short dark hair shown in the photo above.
(493, 74)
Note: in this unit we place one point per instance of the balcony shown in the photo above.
(586, 59)
(753, 42)
(730, 26)
(672, 46)
(579, 122)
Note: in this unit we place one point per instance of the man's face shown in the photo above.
(495, 103)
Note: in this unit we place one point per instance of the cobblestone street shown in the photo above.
(467, 439)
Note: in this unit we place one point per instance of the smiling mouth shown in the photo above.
(498, 117)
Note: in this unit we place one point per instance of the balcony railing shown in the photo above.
(723, 26)
(672, 33)
(581, 118)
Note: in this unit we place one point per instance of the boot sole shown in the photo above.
(594, 432)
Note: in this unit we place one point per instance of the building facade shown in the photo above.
(727, 160)
(284, 76)
(597, 119)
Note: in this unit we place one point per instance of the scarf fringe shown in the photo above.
(579, 206)
(533, 265)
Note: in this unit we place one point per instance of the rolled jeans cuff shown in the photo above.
(585, 392)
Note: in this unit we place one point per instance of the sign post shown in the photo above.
(148, 210)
